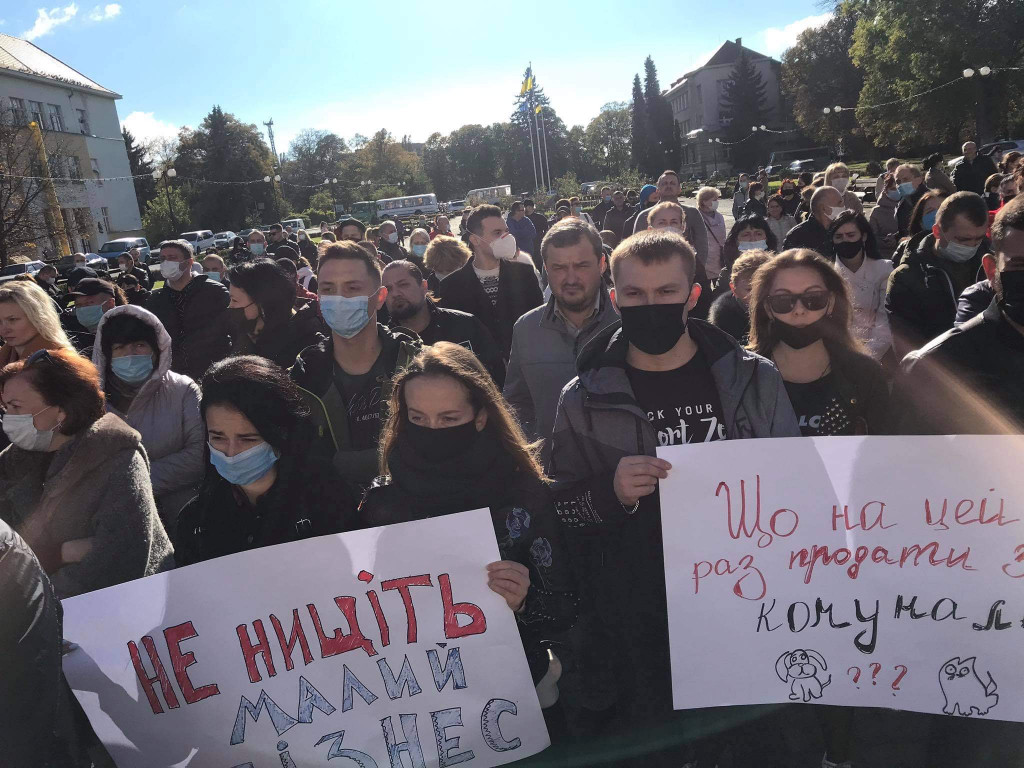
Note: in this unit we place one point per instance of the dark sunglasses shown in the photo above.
(784, 303)
(41, 355)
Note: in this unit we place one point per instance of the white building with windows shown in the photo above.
(696, 106)
(82, 134)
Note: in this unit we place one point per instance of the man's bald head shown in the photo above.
(970, 149)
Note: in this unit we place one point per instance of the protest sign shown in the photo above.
(379, 645)
(854, 571)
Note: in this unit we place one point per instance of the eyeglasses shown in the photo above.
(40, 355)
(784, 303)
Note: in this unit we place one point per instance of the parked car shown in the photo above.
(114, 248)
(456, 206)
(295, 224)
(223, 239)
(11, 271)
(201, 239)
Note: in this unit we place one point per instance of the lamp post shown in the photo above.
(170, 174)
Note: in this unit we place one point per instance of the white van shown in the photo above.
(295, 224)
(200, 240)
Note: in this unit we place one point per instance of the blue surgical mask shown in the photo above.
(132, 369)
(419, 249)
(345, 315)
(958, 252)
(213, 275)
(89, 316)
(257, 248)
(928, 220)
(752, 245)
(607, 198)
(894, 194)
(907, 188)
(246, 467)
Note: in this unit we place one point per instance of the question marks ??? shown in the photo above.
(876, 668)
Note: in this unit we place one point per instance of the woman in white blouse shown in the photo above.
(856, 258)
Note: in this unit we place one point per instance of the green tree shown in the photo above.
(639, 129)
(437, 165)
(580, 163)
(524, 118)
(905, 49)
(314, 155)
(139, 163)
(817, 50)
(665, 148)
(223, 149)
(607, 139)
(157, 222)
(320, 208)
(743, 102)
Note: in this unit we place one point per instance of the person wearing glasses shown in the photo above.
(802, 318)
(75, 478)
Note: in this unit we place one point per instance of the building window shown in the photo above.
(699, 97)
(18, 113)
(74, 167)
(685, 100)
(83, 122)
(55, 119)
(36, 113)
(56, 163)
(686, 127)
(105, 212)
(95, 170)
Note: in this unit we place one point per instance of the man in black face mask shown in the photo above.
(970, 380)
(659, 379)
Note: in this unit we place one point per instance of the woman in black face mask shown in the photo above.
(451, 444)
(801, 318)
(261, 314)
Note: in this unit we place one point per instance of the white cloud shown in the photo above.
(145, 127)
(778, 40)
(47, 20)
(106, 12)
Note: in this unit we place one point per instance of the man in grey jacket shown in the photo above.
(547, 340)
(696, 233)
(660, 379)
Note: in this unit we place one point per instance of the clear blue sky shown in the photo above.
(356, 67)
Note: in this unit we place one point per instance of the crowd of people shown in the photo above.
(529, 365)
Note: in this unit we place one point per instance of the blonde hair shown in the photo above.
(661, 208)
(446, 254)
(832, 169)
(39, 310)
(705, 192)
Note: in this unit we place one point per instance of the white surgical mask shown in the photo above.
(392, 237)
(714, 205)
(958, 252)
(504, 247)
(257, 248)
(21, 430)
(841, 183)
(752, 245)
(835, 211)
(171, 270)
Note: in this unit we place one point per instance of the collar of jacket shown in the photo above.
(314, 368)
(605, 310)
(602, 367)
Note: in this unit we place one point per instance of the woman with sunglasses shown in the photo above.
(75, 479)
(801, 318)
(451, 444)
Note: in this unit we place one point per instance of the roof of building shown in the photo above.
(728, 53)
(21, 56)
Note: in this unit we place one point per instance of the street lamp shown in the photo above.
(714, 151)
(171, 173)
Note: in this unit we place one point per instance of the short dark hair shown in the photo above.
(517, 206)
(276, 227)
(476, 218)
(288, 265)
(64, 379)
(268, 286)
(413, 270)
(529, 202)
(346, 249)
(654, 246)
(125, 329)
(261, 391)
(1010, 216)
(182, 245)
(669, 172)
(968, 204)
(569, 232)
(870, 242)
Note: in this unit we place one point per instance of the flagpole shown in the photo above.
(536, 127)
(544, 138)
(533, 156)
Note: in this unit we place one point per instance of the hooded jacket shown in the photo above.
(197, 323)
(523, 231)
(165, 411)
(922, 294)
(87, 509)
(313, 371)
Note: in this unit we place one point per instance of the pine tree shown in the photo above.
(665, 148)
(743, 102)
(139, 163)
(640, 138)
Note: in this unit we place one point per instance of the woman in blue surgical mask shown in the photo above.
(922, 219)
(265, 483)
(133, 356)
(418, 242)
(750, 233)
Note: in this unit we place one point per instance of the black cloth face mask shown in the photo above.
(438, 445)
(1012, 301)
(654, 328)
(798, 338)
(847, 250)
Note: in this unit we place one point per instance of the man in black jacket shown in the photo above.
(922, 294)
(539, 222)
(970, 173)
(813, 233)
(598, 211)
(129, 265)
(389, 242)
(193, 309)
(970, 380)
(410, 307)
(490, 286)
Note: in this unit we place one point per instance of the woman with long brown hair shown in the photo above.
(801, 318)
(451, 444)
